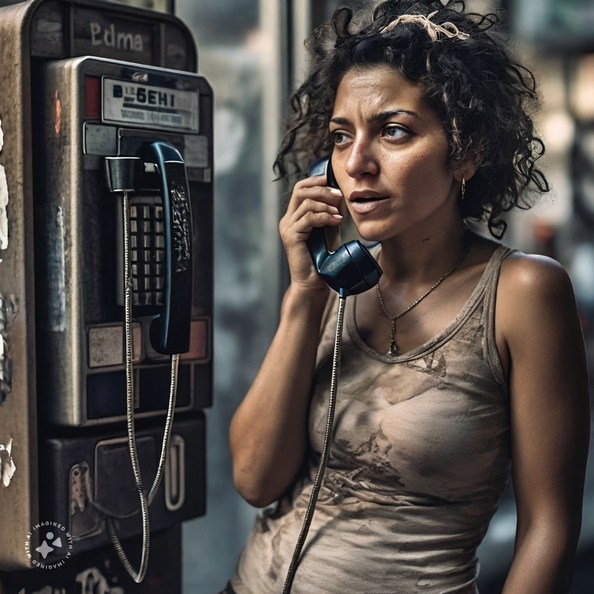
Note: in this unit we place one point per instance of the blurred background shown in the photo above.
(252, 52)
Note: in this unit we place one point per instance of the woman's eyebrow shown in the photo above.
(377, 117)
(386, 115)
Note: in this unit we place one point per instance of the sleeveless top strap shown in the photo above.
(490, 345)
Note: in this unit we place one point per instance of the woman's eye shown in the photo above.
(339, 138)
(395, 132)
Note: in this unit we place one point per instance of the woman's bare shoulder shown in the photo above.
(534, 276)
(534, 296)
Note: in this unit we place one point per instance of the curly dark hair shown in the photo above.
(481, 92)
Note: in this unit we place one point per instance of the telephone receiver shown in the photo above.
(170, 329)
(349, 270)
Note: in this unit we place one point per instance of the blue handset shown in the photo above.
(349, 270)
(170, 330)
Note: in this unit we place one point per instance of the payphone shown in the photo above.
(106, 277)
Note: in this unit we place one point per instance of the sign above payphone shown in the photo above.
(93, 33)
(61, 29)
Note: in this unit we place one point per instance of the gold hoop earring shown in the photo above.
(463, 189)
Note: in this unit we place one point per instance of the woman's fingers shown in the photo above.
(312, 204)
(313, 188)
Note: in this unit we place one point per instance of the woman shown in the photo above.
(467, 358)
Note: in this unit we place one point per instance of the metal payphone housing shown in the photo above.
(64, 65)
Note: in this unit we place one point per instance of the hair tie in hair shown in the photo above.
(433, 29)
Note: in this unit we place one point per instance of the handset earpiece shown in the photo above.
(349, 270)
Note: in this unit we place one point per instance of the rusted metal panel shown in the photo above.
(18, 428)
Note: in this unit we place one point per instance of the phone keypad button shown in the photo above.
(147, 239)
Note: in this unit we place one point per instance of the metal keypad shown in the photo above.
(147, 254)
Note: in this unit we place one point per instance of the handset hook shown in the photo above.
(349, 270)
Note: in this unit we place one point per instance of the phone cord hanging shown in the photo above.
(145, 500)
(317, 485)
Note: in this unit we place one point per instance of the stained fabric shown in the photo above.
(419, 461)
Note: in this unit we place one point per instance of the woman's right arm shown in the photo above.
(268, 433)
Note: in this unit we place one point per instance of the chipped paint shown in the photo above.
(84, 518)
(57, 113)
(3, 210)
(3, 199)
(8, 310)
(56, 271)
(92, 580)
(7, 465)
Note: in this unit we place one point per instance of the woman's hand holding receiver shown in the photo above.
(312, 204)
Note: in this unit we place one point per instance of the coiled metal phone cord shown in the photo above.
(325, 449)
(145, 500)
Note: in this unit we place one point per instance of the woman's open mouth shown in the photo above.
(365, 202)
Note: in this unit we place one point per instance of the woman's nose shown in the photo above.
(361, 160)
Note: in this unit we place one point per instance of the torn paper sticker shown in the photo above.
(3, 209)
(7, 465)
(8, 311)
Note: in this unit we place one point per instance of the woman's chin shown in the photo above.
(370, 235)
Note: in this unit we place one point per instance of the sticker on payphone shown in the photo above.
(145, 105)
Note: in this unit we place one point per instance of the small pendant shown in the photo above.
(393, 352)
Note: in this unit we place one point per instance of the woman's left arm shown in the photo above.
(538, 321)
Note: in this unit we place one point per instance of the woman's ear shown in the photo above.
(465, 170)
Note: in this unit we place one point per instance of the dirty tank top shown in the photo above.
(419, 461)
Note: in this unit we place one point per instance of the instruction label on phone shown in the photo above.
(148, 106)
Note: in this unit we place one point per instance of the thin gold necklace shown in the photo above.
(394, 350)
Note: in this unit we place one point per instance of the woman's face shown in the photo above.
(390, 156)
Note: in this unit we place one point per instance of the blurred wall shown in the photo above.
(238, 49)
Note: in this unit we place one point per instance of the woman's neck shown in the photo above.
(423, 257)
